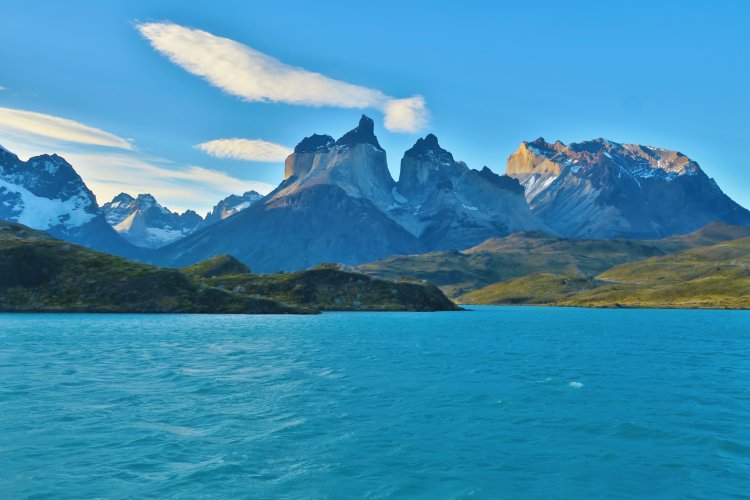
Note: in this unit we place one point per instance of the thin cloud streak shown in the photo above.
(17, 121)
(244, 72)
(108, 173)
(192, 187)
(245, 149)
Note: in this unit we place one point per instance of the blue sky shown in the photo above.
(484, 78)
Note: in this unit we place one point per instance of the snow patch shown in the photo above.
(45, 213)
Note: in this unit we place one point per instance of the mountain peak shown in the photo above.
(314, 143)
(425, 146)
(122, 197)
(363, 134)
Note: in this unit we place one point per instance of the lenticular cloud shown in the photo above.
(253, 76)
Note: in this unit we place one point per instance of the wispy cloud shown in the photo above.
(254, 76)
(17, 121)
(245, 149)
(193, 187)
(108, 172)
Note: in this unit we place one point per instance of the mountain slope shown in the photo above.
(145, 223)
(46, 193)
(230, 206)
(449, 206)
(602, 189)
(329, 209)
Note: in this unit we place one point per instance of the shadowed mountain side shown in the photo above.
(308, 227)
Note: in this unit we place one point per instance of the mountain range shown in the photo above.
(339, 203)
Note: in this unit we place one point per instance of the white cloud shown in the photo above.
(246, 149)
(406, 115)
(108, 173)
(2, 88)
(20, 122)
(253, 76)
(193, 187)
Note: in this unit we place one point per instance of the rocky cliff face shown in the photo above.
(602, 189)
(330, 208)
(46, 193)
(450, 206)
(145, 223)
(355, 163)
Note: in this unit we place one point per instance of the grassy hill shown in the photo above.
(39, 273)
(523, 254)
(715, 276)
(534, 289)
(325, 288)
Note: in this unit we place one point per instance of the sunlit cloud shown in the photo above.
(108, 172)
(190, 187)
(246, 149)
(244, 72)
(21, 122)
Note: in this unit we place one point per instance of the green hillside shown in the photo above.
(716, 276)
(523, 254)
(326, 288)
(537, 289)
(38, 273)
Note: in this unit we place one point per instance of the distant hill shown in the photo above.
(519, 255)
(714, 276)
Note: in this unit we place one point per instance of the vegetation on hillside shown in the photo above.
(330, 288)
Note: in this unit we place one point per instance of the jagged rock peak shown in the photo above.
(314, 143)
(502, 181)
(426, 146)
(122, 198)
(363, 134)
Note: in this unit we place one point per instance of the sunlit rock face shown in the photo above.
(355, 163)
(602, 189)
(332, 207)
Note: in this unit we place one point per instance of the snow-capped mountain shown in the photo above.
(602, 189)
(339, 203)
(145, 223)
(46, 193)
(230, 206)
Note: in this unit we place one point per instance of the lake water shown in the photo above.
(498, 402)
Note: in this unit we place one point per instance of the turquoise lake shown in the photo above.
(498, 402)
